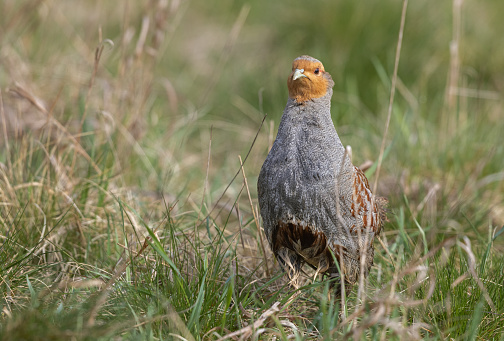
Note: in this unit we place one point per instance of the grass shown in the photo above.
(121, 128)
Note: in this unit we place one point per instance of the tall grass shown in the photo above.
(121, 129)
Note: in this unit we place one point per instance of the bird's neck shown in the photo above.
(314, 110)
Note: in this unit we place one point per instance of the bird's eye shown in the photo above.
(317, 71)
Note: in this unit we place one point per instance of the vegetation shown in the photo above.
(125, 214)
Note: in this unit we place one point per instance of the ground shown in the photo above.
(125, 214)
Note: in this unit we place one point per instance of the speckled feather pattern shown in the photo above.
(307, 182)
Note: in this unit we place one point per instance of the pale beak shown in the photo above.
(298, 73)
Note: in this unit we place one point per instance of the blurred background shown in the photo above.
(171, 70)
(153, 101)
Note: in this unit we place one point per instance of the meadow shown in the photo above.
(132, 134)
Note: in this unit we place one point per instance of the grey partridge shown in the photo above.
(314, 202)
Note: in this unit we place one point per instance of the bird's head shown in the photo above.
(308, 79)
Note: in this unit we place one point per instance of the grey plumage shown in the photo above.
(308, 183)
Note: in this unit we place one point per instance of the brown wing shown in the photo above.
(369, 210)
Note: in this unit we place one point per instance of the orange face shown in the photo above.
(307, 80)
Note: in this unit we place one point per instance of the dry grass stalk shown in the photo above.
(248, 331)
(454, 71)
(259, 231)
(236, 174)
(4, 126)
(392, 93)
(205, 184)
(466, 246)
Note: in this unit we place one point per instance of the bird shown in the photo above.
(317, 208)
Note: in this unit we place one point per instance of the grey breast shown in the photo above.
(304, 177)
